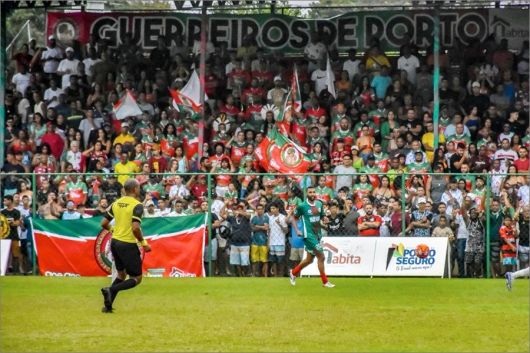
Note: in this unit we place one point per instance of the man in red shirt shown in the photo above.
(522, 163)
(370, 223)
(198, 188)
(54, 140)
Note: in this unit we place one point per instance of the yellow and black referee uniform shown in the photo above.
(123, 246)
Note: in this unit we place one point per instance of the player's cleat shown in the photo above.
(292, 278)
(107, 298)
(509, 279)
(107, 310)
(328, 285)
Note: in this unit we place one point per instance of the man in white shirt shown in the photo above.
(21, 80)
(51, 95)
(408, 63)
(88, 124)
(178, 191)
(411, 156)
(319, 77)
(91, 61)
(344, 168)
(51, 56)
(178, 210)
(276, 94)
(150, 211)
(352, 64)
(452, 197)
(505, 152)
(314, 52)
(68, 67)
(277, 230)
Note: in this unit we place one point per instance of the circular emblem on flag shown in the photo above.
(4, 227)
(290, 156)
(66, 30)
(102, 251)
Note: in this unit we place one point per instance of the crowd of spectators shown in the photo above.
(59, 119)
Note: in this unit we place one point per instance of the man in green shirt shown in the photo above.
(312, 213)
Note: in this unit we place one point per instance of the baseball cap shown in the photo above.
(421, 200)
(277, 78)
(475, 84)
(125, 124)
(70, 204)
(51, 37)
(149, 203)
(69, 49)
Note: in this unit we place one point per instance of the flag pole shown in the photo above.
(202, 74)
(436, 76)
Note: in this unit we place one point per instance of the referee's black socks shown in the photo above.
(115, 282)
(127, 284)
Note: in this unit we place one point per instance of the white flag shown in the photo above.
(330, 79)
(192, 90)
(126, 107)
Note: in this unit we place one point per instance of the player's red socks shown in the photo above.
(297, 270)
(323, 277)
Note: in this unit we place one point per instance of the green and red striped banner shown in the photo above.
(81, 248)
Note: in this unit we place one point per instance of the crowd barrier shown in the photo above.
(393, 256)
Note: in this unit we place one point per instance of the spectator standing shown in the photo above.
(475, 244)
(277, 231)
(13, 219)
(240, 238)
(420, 224)
(508, 234)
(260, 238)
(369, 223)
(68, 67)
(51, 56)
(347, 171)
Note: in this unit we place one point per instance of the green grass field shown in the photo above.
(257, 314)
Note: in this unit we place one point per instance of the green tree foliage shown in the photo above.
(16, 20)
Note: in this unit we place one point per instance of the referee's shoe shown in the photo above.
(107, 299)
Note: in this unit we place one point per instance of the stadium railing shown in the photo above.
(288, 187)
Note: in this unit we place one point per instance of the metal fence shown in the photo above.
(394, 197)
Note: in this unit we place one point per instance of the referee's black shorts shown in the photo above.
(126, 257)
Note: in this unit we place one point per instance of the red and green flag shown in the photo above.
(82, 248)
(277, 153)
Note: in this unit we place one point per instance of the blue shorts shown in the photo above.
(509, 261)
(240, 255)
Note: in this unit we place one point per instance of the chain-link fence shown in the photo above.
(253, 228)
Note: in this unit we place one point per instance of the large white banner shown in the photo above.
(345, 256)
(5, 248)
(375, 256)
(410, 257)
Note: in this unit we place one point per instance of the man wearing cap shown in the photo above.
(51, 56)
(276, 94)
(476, 99)
(420, 224)
(68, 66)
(124, 136)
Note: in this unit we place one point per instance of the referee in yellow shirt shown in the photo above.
(127, 233)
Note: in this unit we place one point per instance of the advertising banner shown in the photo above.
(376, 256)
(410, 257)
(5, 248)
(345, 256)
(291, 34)
(82, 248)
